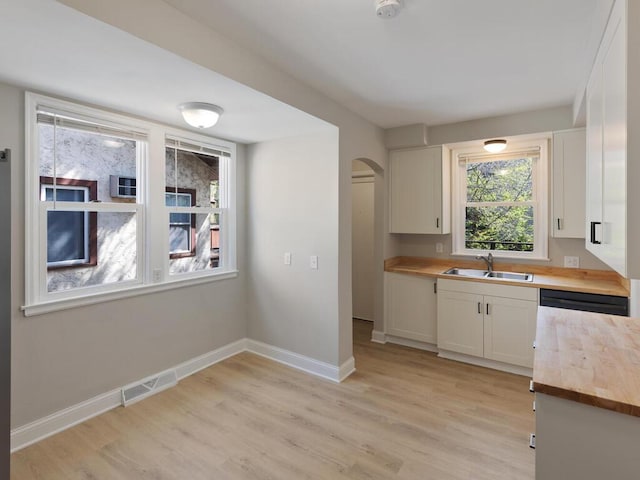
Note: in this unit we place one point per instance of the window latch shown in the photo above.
(5, 155)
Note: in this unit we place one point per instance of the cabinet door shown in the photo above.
(509, 330)
(410, 307)
(614, 151)
(416, 191)
(569, 167)
(594, 162)
(460, 322)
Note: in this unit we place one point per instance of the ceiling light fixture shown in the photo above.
(199, 114)
(495, 146)
(387, 8)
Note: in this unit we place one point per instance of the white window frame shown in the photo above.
(152, 260)
(540, 200)
(43, 196)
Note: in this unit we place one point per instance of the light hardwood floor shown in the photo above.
(405, 414)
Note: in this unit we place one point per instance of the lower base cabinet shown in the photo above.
(410, 307)
(493, 321)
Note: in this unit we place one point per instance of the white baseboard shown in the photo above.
(300, 362)
(484, 362)
(378, 337)
(406, 342)
(42, 428)
(56, 422)
(210, 358)
(346, 369)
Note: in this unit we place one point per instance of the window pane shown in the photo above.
(65, 194)
(500, 181)
(179, 238)
(207, 247)
(114, 242)
(499, 228)
(194, 171)
(84, 155)
(67, 237)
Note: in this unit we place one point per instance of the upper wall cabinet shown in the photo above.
(420, 190)
(569, 167)
(613, 144)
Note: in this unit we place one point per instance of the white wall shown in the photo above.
(63, 358)
(293, 207)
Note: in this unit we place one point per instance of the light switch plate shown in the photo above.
(287, 258)
(313, 262)
(439, 247)
(572, 262)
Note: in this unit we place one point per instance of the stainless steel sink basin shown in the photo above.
(471, 272)
(522, 277)
(467, 272)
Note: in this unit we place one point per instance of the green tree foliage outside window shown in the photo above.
(499, 209)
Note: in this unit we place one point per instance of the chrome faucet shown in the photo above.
(488, 260)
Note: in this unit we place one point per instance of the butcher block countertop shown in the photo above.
(590, 358)
(603, 282)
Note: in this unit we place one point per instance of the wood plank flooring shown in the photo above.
(405, 414)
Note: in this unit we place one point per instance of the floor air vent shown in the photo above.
(149, 386)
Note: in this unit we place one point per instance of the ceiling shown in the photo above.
(437, 62)
(59, 51)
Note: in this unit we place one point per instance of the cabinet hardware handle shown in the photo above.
(479, 307)
(438, 222)
(487, 308)
(593, 233)
(532, 441)
(534, 405)
(531, 386)
(435, 288)
(559, 227)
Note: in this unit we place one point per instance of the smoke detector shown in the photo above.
(387, 8)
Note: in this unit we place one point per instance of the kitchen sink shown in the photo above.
(467, 272)
(472, 272)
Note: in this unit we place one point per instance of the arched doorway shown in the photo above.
(367, 237)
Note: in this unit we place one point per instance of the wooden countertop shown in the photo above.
(589, 358)
(603, 282)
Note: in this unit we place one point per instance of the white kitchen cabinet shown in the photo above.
(461, 322)
(492, 321)
(613, 128)
(509, 330)
(420, 190)
(569, 179)
(410, 307)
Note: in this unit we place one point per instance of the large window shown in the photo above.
(500, 201)
(108, 215)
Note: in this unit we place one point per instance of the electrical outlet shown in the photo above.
(157, 275)
(572, 262)
(287, 258)
(313, 262)
(439, 247)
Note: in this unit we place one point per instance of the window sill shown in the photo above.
(68, 303)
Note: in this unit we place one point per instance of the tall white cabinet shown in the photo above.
(613, 146)
(569, 170)
(420, 190)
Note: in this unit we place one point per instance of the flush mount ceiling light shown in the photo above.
(495, 146)
(199, 114)
(387, 8)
